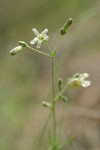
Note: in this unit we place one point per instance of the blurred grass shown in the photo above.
(25, 78)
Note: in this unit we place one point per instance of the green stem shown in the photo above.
(55, 49)
(40, 138)
(60, 93)
(39, 51)
(53, 105)
(49, 49)
(61, 122)
(53, 94)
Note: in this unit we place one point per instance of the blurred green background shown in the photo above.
(25, 79)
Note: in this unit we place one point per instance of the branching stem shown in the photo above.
(39, 51)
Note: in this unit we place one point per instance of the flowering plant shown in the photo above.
(77, 80)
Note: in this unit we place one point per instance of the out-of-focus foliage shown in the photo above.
(25, 78)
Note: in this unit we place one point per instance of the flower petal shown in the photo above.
(44, 32)
(46, 38)
(34, 40)
(86, 75)
(86, 83)
(38, 44)
(35, 32)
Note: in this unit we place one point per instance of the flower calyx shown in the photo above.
(66, 26)
(16, 50)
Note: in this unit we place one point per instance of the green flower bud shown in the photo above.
(66, 26)
(60, 81)
(23, 44)
(16, 50)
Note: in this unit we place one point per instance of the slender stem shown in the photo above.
(55, 49)
(39, 51)
(53, 104)
(53, 92)
(40, 138)
(61, 122)
(48, 48)
(60, 93)
(58, 42)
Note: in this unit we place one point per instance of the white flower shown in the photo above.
(79, 80)
(40, 38)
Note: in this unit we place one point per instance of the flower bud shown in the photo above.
(16, 50)
(60, 81)
(46, 104)
(66, 26)
(23, 44)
